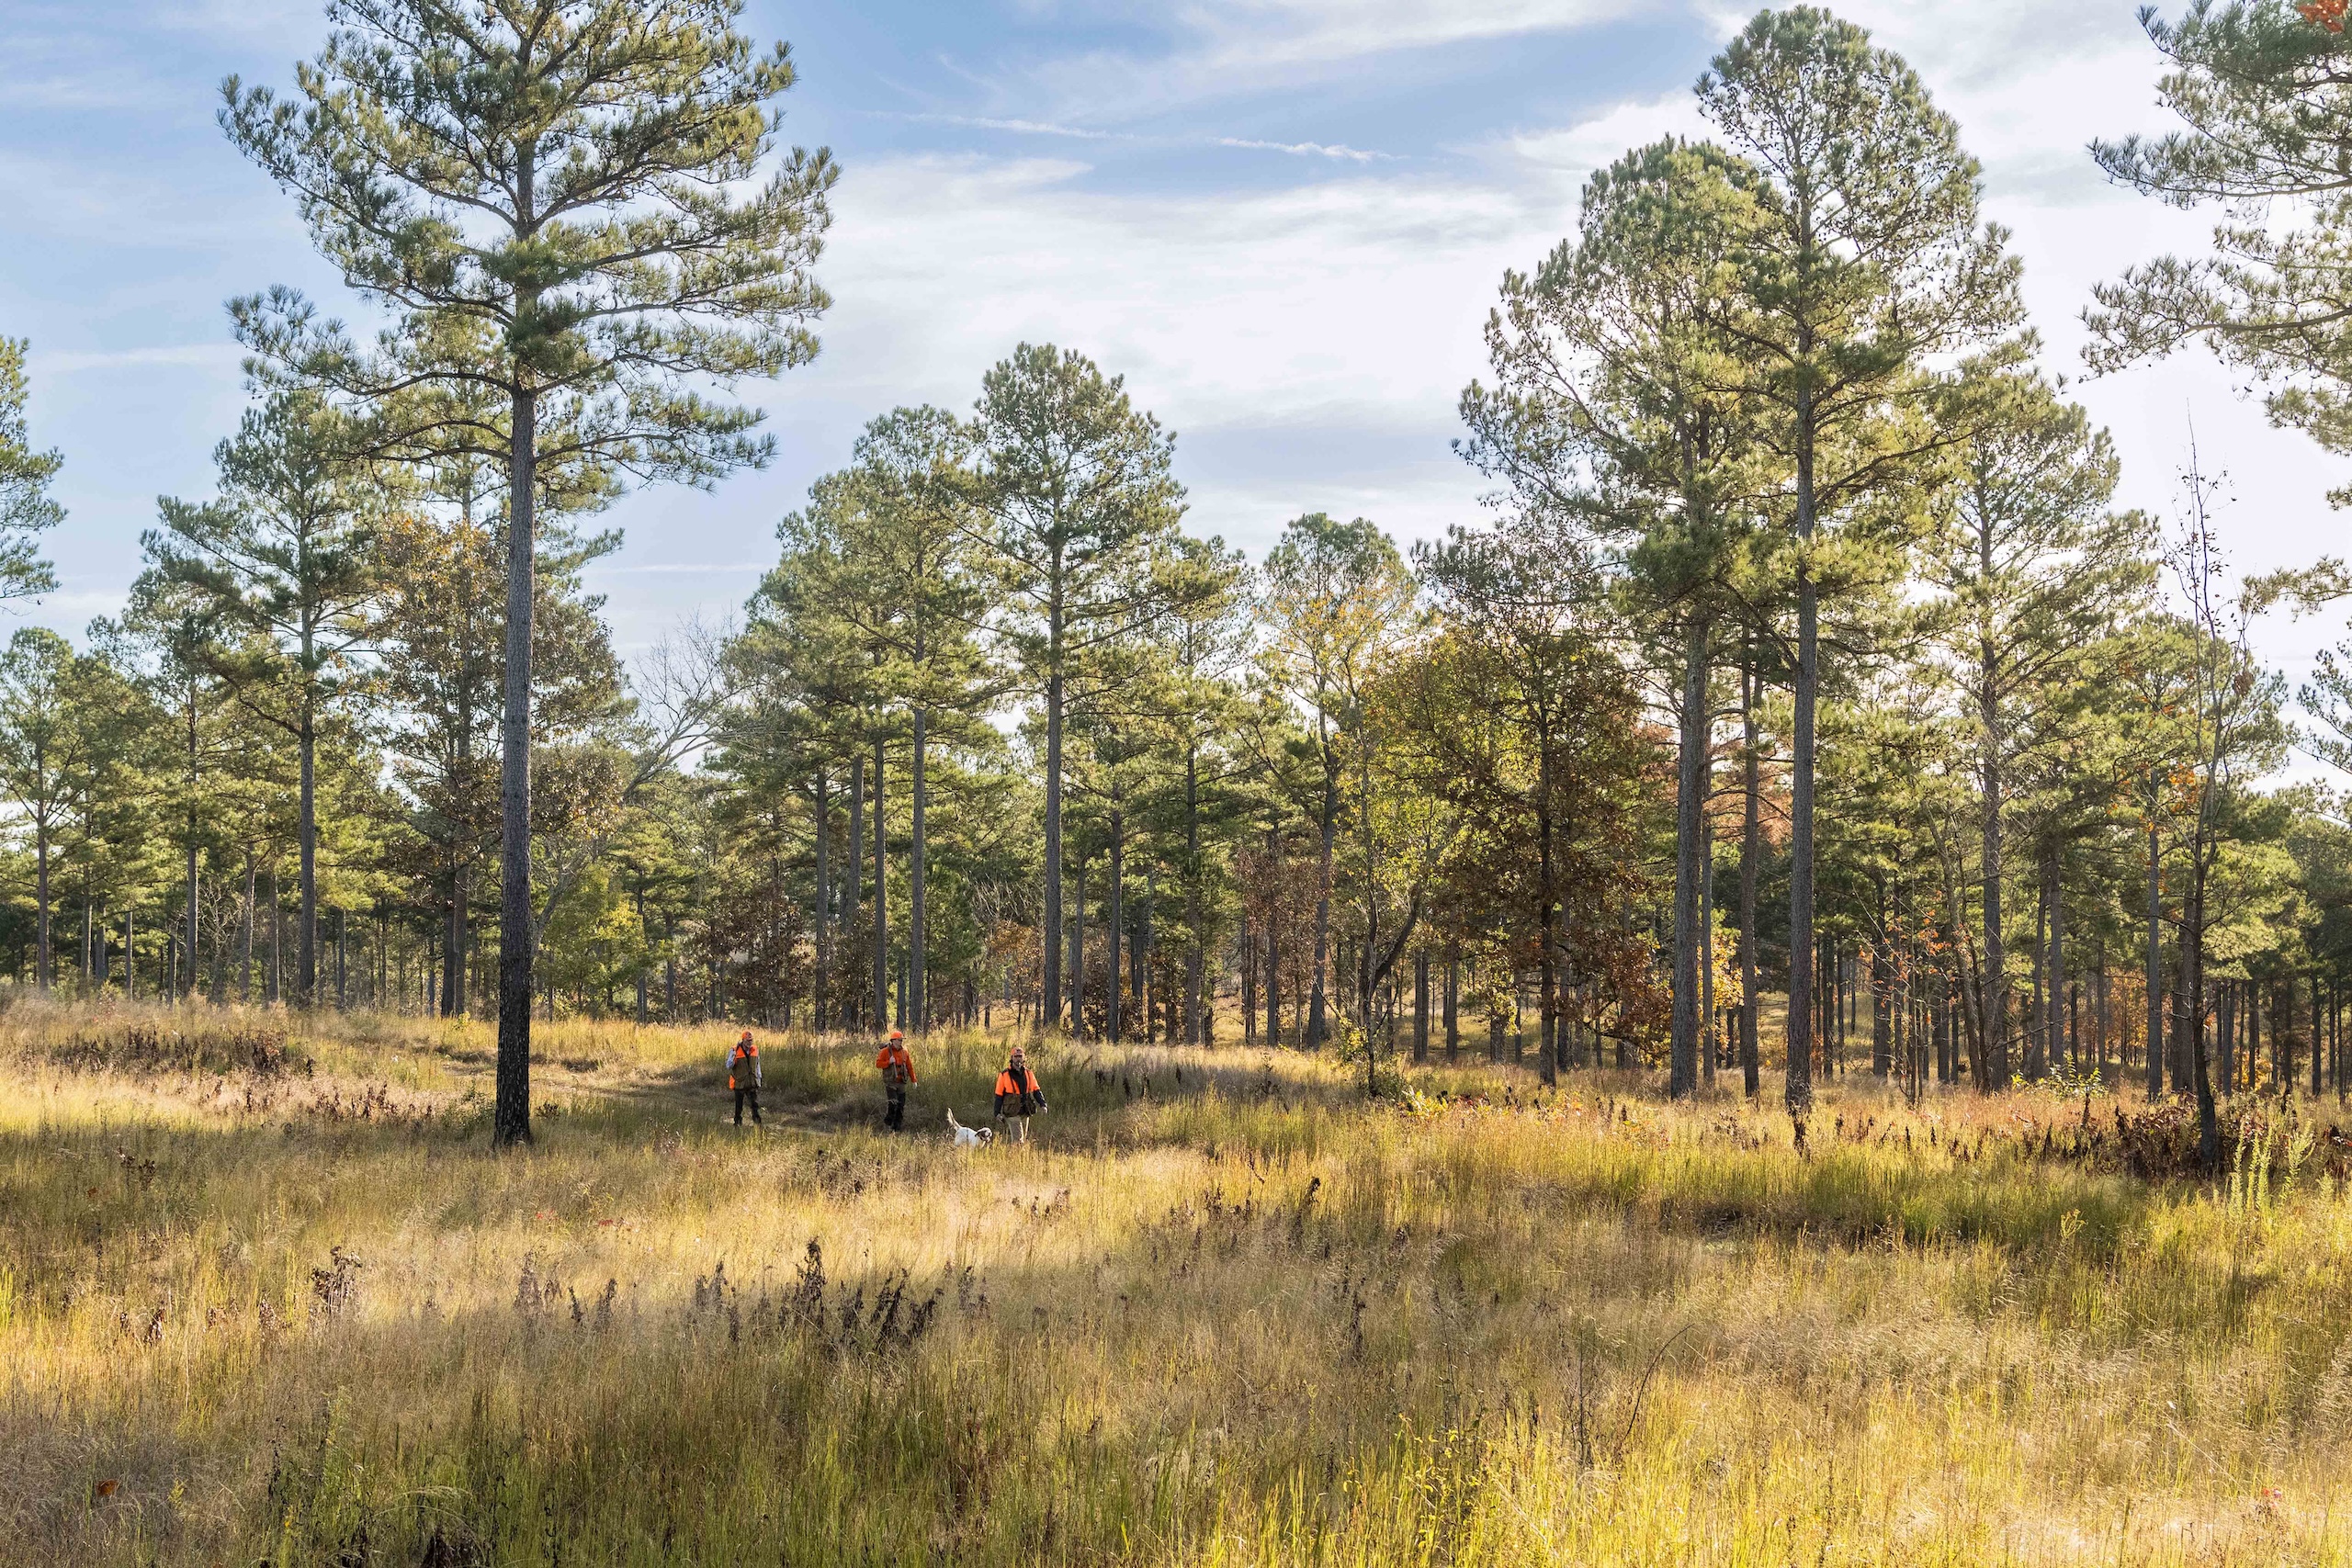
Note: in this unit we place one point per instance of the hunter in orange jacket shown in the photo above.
(898, 1071)
(1019, 1095)
(743, 1078)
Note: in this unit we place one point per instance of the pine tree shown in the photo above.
(2036, 570)
(901, 574)
(544, 194)
(2265, 88)
(1336, 596)
(26, 509)
(1619, 404)
(1869, 260)
(284, 569)
(65, 718)
(1077, 486)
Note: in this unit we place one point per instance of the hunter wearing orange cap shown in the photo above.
(1019, 1096)
(898, 1071)
(743, 1078)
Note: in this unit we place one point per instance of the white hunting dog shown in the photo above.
(969, 1137)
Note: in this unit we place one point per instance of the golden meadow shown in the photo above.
(267, 1296)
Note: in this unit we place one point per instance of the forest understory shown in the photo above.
(266, 1295)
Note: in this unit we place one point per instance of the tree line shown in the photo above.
(1801, 648)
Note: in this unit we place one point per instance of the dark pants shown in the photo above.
(754, 1095)
(896, 1117)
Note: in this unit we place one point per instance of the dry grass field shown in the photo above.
(265, 1296)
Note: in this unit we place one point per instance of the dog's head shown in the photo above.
(988, 1136)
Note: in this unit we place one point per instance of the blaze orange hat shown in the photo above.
(898, 1034)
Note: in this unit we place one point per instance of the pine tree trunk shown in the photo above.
(1049, 1014)
(2209, 1127)
(1799, 1091)
(2155, 967)
(1453, 1006)
(821, 1004)
(1421, 1007)
(305, 932)
(1196, 950)
(193, 885)
(1690, 809)
(1078, 956)
(1881, 994)
(1708, 1043)
(2317, 1036)
(453, 944)
(2060, 987)
(853, 889)
(1114, 926)
(2037, 1033)
(41, 966)
(511, 1121)
(1317, 1020)
(644, 980)
(1273, 978)
(918, 998)
(881, 899)
(1750, 847)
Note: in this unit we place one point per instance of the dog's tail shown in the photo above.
(953, 1126)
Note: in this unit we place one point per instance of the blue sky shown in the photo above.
(1283, 221)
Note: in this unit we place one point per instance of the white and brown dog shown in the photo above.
(969, 1137)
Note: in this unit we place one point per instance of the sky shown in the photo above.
(1283, 221)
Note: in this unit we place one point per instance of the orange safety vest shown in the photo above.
(1022, 1091)
(897, 1066)
(743, 1067)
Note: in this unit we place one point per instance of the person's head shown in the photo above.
(747, 1037)
(897, 1036)
(1019, 1057)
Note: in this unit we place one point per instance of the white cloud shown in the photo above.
(1088, 134)
(207, 355)
(1568, 156)
(1256, 34)
(1224, 48)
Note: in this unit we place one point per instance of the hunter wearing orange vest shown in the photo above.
(743, 1078)
(898, 1071)
(1019, 1096)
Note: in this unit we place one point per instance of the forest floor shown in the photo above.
(266, 1295)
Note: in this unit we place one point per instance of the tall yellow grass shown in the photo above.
(1220, 1311)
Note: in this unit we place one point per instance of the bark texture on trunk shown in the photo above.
(2155, 967)
(881, 902)
(512, 1119)
(1690, 809)
(1317, 1017)
(1050, 1012)
(306, 934)
(1751, 834)
(822, 1004)
(918, 998)
(1799, 1091)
